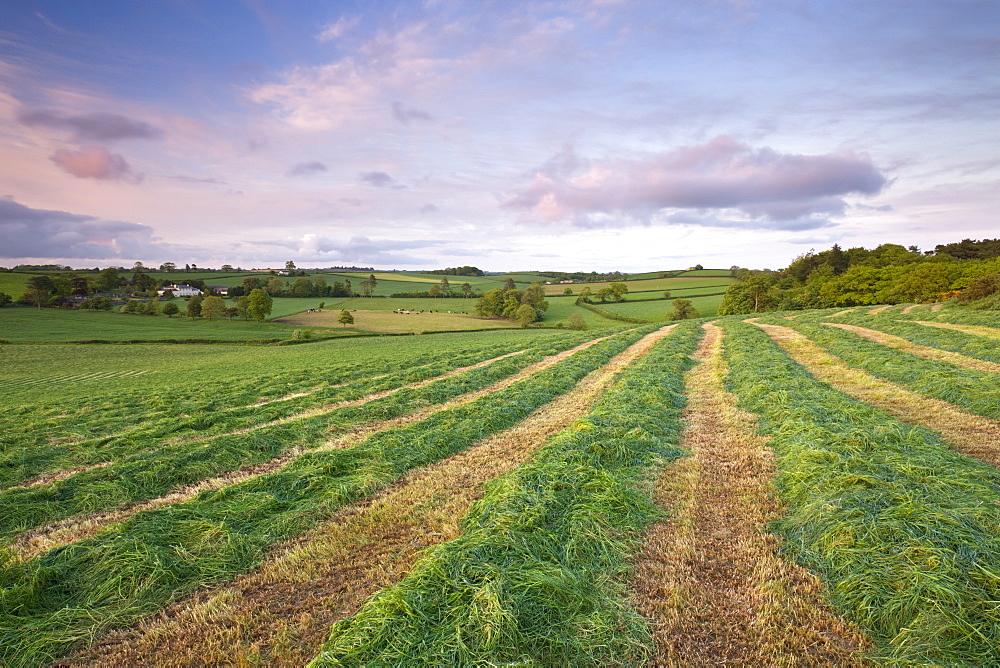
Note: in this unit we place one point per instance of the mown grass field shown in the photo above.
(808, 488)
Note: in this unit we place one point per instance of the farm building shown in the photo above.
(179, 290)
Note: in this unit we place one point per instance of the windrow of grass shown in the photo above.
(945, 339)
(974, 391)
(25, 459)
(280, 613)
(157, 468)
(58, 435)
(539, 574)
(957, 316)
(84, 589)
(905, 531)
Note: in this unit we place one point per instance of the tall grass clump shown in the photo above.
(77, 592)
(905, 531)
(538, 575)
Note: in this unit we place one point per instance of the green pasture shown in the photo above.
(411, 322)
(651, 284)
(561, 308)
(658, 310)
(27, 324)
(467, 306)
(14, 284)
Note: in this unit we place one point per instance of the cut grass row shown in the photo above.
(970, 434)
(79, 527)
(281, 613)
(951, 340)
(903, 529)
(147, 472)
(43, 445)
(973, 391)
(109, 581)
(710, 578)
(539, 573)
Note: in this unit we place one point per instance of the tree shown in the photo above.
(466, 290)
(585, 294)
(666, 294)
(289, 266)
(5, 299)
(194, 307)
(445, 287)
(618, 291)
(345, 318)
(302, 287)
(603, 294)
(435, 291)
(251, 283)
(535, 297)
(226, 268)
(525, 315)
(109, 280)
(259, 305)
(567, 290)
(698, 267)
(140, 279)
(168, 267)
(491, 303)
(368, 286)
(170, 309)
(40, 288)
(320, 288)
(242, 306)
(348, 289)
(683, 310)
(81, 286)
(213, 307)
(232, 312)
(275, 287)
(509, 284)
(576, 321)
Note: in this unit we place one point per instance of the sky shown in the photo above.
(562, 135)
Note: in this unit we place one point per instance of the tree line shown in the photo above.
(888, 274)
(522, 306)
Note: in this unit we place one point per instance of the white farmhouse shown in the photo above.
(179, 290)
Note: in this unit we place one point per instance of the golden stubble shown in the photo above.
(918, 350)
(709, 578)
(972, 435)
(280, 613)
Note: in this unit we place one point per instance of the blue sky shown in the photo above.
(579, 134)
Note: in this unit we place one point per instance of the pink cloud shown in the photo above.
(761, 183)
(95, 162)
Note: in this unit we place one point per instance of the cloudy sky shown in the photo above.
(570, 134)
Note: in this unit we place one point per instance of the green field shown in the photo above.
(26, 324)
(658, 310)
(13, 284)
(650, 284)
(413, 322)
(206, 481)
